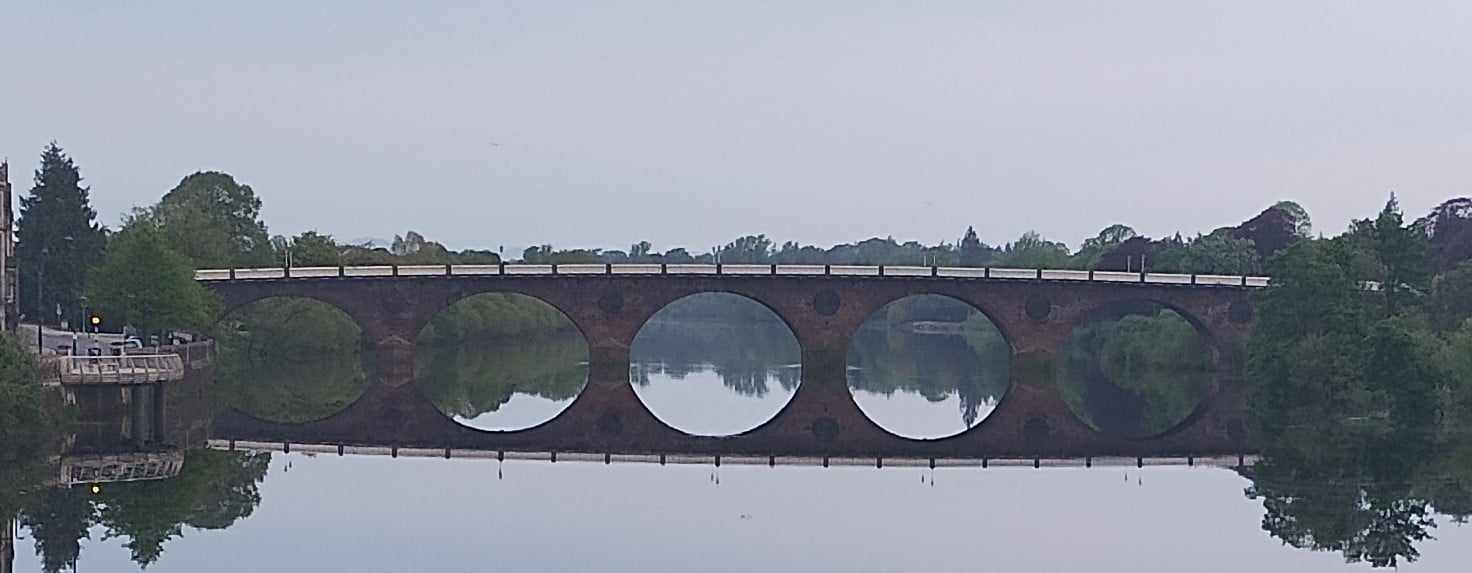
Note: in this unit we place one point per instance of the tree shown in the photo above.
(1297, 216)
(312, 249)
(1032, 251)
(1451, 298)
(641, 252)
(58, 520)
(973, 252)
(214, 222)
(1402, 254)
(58, 238)
(145, 283)
(748, 249)
(1220, 253)
(1093, 249)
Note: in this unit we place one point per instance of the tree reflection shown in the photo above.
(470, 379)
(742, 342)
(291, 390)
(213, 490)
(1135, 369)
(1368, 494)
(935, 347)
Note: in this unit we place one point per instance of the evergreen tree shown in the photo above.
(58, 239)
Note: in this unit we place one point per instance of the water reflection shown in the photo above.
(290, 360)
(1135, 369)
(213, 491)
(715, 364)
(292, 390)
(506, 384)
(928, 366)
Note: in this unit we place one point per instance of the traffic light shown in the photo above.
(96, 320)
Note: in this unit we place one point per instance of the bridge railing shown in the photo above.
(727, 269)
(118, 370)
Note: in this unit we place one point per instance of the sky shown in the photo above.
(598, 124)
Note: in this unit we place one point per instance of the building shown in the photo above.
(8, 301)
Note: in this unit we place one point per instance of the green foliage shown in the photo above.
(144, 283)
(1140, 373)
(214, 222)
(1032, 251)
(1360, 400)
(311, 249)
(1450, 304)
(289, 360)
(468, 380)
(57, 238)
(1305, 353)
(1303, 226)
(292, 391)
(214, 490)
(1394, 254)
(491, 316)
(1094, 247)
(29, 424)
(58, 520)
(1219, 253)
(286, 328)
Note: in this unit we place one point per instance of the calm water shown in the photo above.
(924, 367)
(380, 514)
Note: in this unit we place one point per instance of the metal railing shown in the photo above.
(743, 270)
(119, 370)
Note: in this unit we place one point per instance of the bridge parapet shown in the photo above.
(744, 270)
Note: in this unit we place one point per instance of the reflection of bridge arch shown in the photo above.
(737, 298)
(1035, 315)
(1220, 390)
(970, 305)
(422, 377)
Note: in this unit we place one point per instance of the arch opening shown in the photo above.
(715, 364)
(501, 362)
(1136, 369)
(289, 359)
(928, 366)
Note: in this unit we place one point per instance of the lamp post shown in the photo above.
(41, 301)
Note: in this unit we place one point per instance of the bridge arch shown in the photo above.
(740, 340)
(1117, 308)
(294, 359)
(483, 374)
(928, 364)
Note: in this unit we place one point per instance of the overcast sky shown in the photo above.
(686, 123)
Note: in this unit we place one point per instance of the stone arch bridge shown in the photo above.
(1036, 311)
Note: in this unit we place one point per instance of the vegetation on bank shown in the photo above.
(1362, 399)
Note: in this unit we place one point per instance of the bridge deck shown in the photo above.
(743, 270)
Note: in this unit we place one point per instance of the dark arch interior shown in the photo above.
(1136, 369)
(928, 366)
(289, 359)
(715, 363)
(501, 361)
